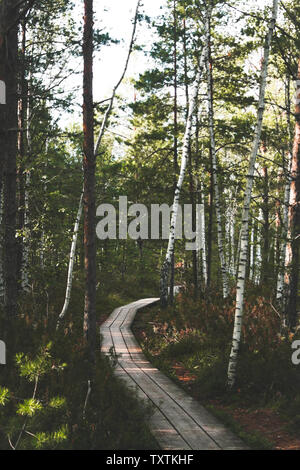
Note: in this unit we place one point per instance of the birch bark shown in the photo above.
(252, 254)
(202, 248)
(25, 258)
(184, 160)
(280, 296)
(210, 102)
(71, 263)
(232, 367)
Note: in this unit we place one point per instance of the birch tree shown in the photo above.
(280, 294)
(210, 102)
(232, 367)
(71, 263)
(202, 247)
(25, 257)
(184, 161)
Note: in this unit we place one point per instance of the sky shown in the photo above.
(115, 17)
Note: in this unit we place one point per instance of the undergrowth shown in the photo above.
(43, 387)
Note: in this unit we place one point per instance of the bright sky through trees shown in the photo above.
(115, 17)
(117, 20)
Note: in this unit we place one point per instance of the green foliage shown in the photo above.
(29, 407)
(51, 440)
(36, 368)
(38, 412)
(4, 396)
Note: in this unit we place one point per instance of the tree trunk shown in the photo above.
(210, 222)
(232, 367)
(8, 145)
(200, 199)
(265, 271)
(89, 166)
(281, 294)
(210, 101)
(292, 276)
(22, 103)
(172, 279)
(190, 163)
(71, 264)
(185, 153)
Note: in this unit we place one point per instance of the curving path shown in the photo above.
(179, 422)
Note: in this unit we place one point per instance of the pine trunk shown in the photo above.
(8, 145)
(89, 166)
(292, 278)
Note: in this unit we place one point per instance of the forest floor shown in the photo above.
(265, 421)
(262, 424)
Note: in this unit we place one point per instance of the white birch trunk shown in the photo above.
(184, 160)
(252, 255)
(258, 260)
(214, 169)
(71, 263)
(232, 243)
(203, 241)
(229, 234)
(25, 254)
(284, 252)
(232, 367)
(25, 259)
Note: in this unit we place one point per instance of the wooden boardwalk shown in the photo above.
(179, 422)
